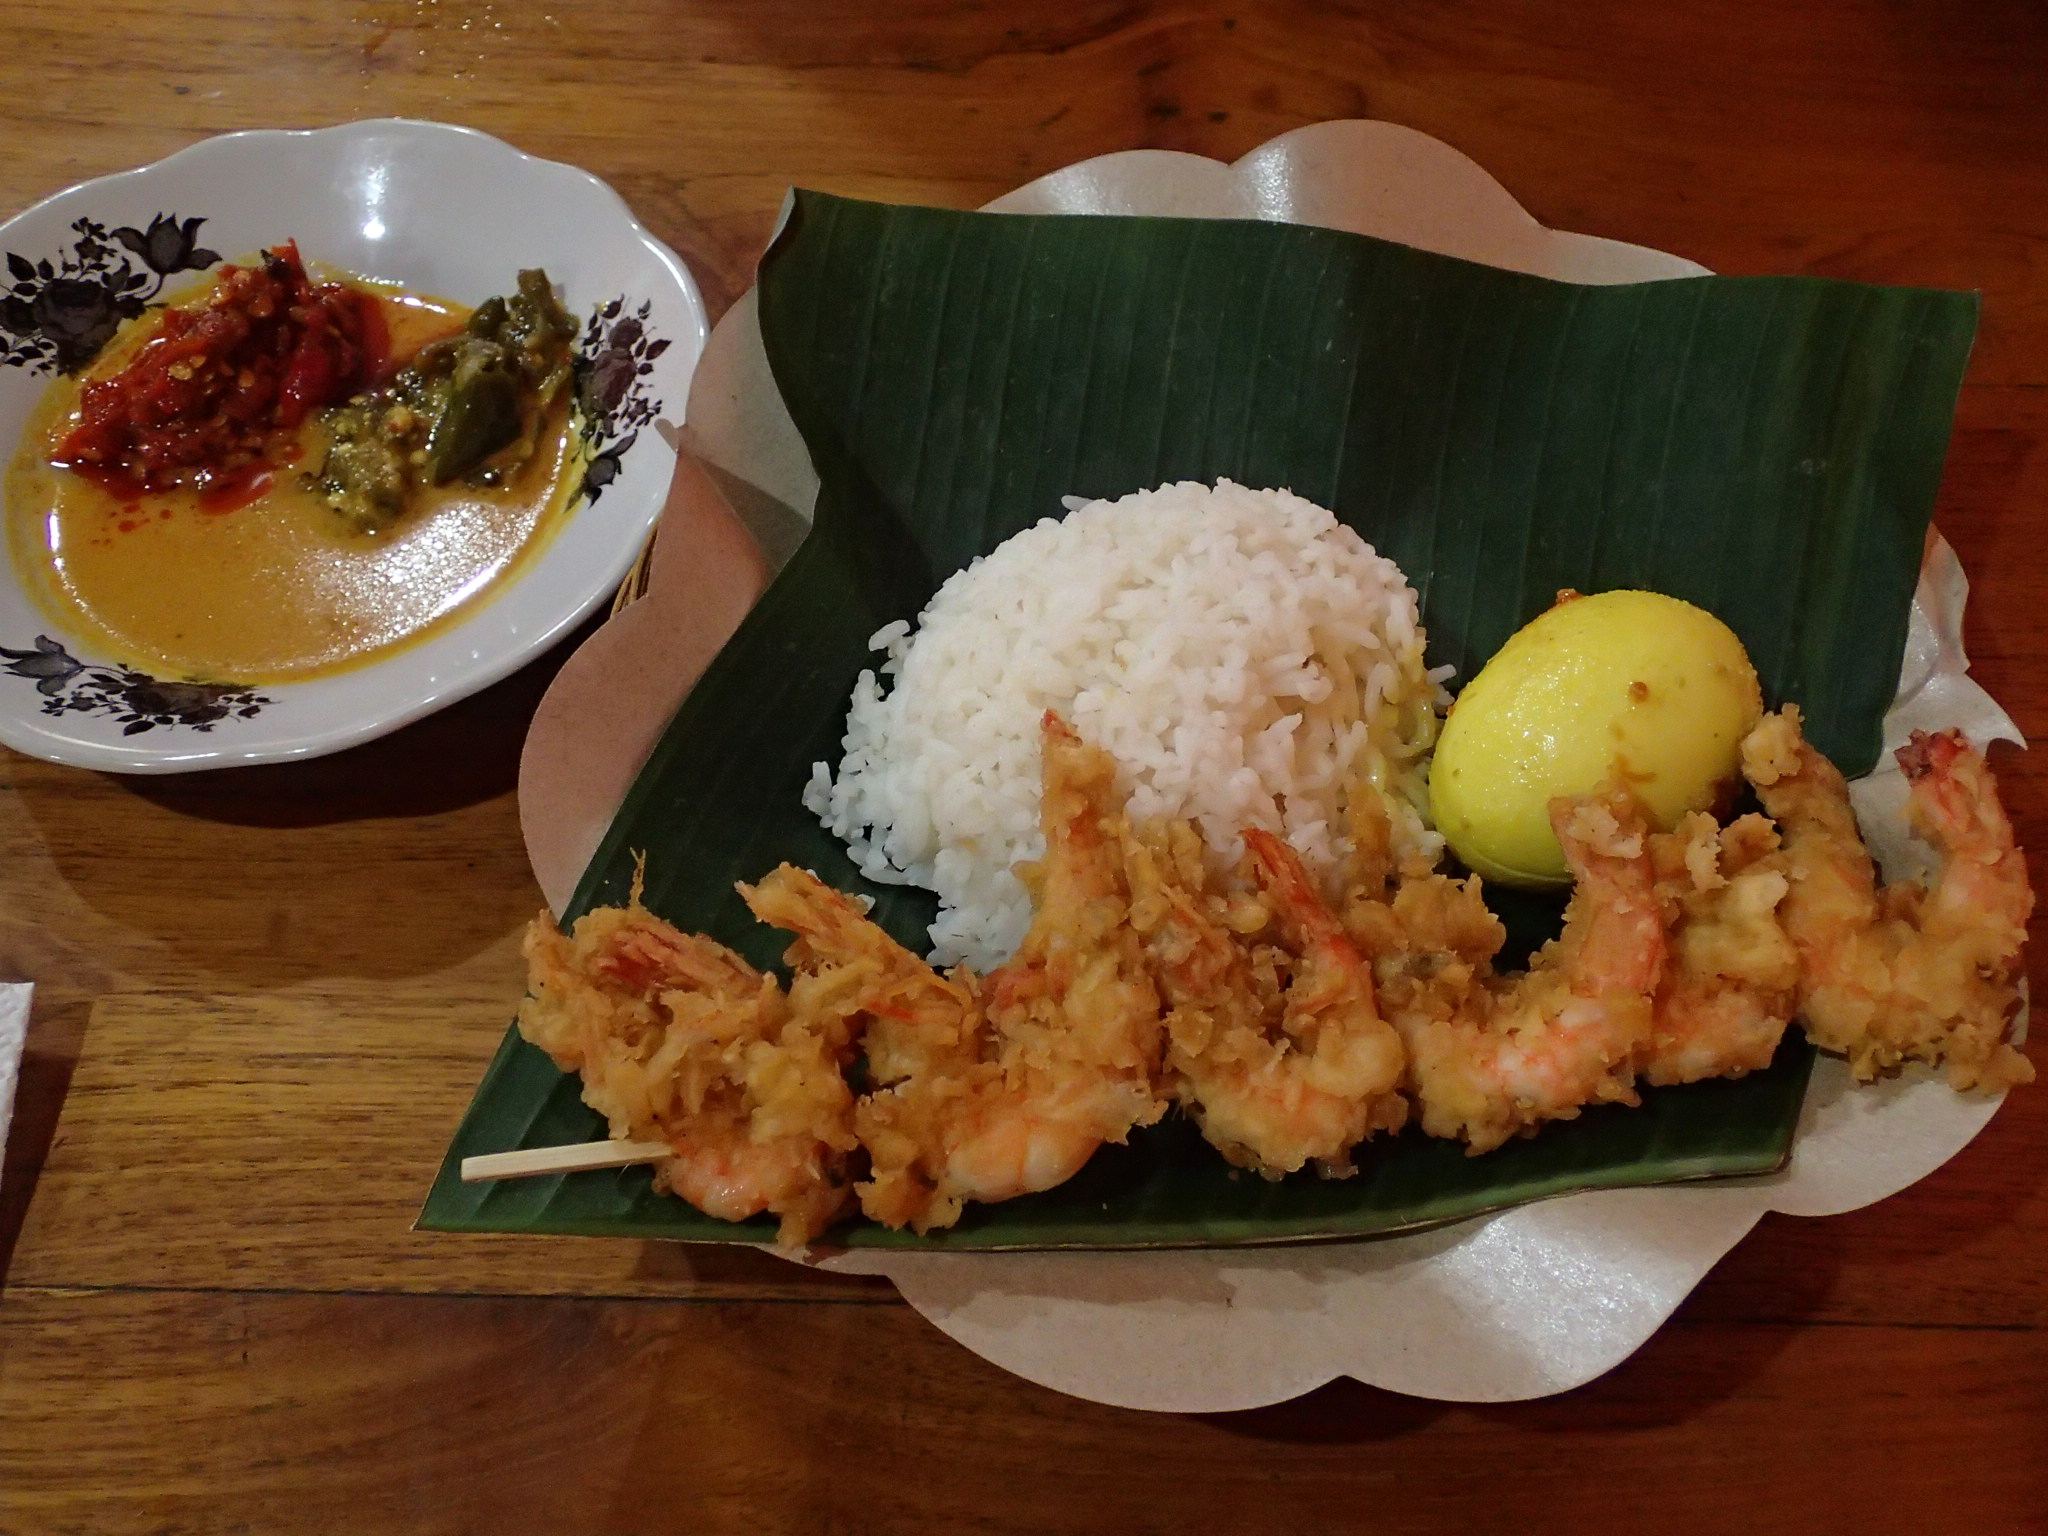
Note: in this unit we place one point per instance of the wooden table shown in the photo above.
(264, 995)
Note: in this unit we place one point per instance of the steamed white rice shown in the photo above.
(1242, 654)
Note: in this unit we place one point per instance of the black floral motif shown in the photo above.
(58, 315)
(613, 360)
(139, 702)
(49, 664)
(168, 246)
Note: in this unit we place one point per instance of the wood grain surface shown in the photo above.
(264, 994)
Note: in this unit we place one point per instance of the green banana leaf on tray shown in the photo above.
(1768, 448)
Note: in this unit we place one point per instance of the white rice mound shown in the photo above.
(1242, 654)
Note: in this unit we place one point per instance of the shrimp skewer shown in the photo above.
(680, 1041)
(1902, 973)
(1290, 1036)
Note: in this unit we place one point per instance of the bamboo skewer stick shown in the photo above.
(572, 1159)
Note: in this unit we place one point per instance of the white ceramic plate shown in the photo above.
(1534, 1300)
(440, 210)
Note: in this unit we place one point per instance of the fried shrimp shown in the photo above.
(1731, 985)
(1904, 972)
(1275, 1044)
(922, 1027)
(1502, 1056)
(680, 1040)
(846, 969)
(1431, 938)
(1059, 1051)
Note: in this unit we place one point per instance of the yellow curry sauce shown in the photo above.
(278, 588)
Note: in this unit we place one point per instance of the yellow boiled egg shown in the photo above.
(1629, 683)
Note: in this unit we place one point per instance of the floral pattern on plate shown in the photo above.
(56, 315)
(137, 701)
(613, 362)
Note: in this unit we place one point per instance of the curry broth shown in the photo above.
(277, 588)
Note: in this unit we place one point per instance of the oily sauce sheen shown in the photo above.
(264, 583)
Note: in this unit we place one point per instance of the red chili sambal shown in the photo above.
(218, 394)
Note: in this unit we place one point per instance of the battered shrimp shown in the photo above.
(1904, 973)
(1431, 939)
(1730, 987)
(1512, 1053)
(1274, 1043)
(1065, 1046)
(680, 1040)
(846, 968)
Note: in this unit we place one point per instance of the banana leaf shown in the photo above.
(1768, 448)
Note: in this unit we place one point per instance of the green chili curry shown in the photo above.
(471, 406)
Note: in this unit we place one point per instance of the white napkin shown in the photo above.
(14, 996)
